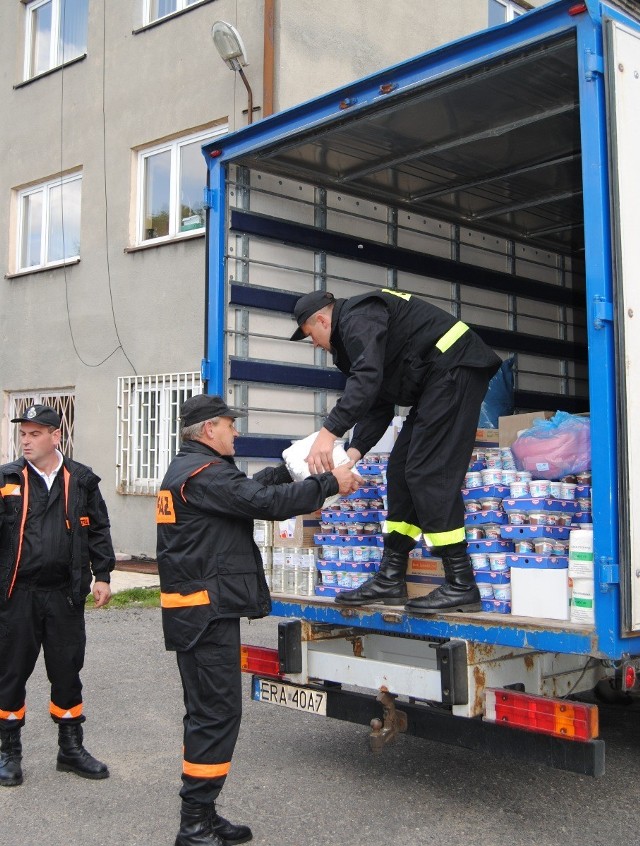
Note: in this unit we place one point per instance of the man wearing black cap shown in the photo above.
(211, 574)
(396, 349)
(54, 534)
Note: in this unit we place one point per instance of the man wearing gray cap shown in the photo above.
(211, 574)
(54, 535)
(398, 349)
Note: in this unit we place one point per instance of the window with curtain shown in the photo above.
(55, 32)
(156, 9)
(171, 179)
(49, 223)
(501, 11)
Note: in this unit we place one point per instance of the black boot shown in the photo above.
(10, 758)
(226, 831)
(196, 828)
(73, 757)
(387, 585)
(458, 593)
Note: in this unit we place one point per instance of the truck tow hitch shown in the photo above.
(393, 722)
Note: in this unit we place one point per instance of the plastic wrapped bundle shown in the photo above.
(294, 457)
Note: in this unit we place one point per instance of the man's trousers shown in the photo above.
(429, 460)
(212, 687)
(31, 620)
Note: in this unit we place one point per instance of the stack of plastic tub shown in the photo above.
(350, 540)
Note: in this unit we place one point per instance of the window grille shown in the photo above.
(149, 427)
(64, 403)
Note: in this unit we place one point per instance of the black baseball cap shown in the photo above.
(308, 305)
(43, 415)
(204, 407)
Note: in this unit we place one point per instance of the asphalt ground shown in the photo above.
(297, 779)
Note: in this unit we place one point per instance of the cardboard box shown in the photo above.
(296, 531)
(540, 592)
(488, 437)
(511, 426)
(423, 576)
(425, 567)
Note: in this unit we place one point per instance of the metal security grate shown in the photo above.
(148, 427)
(63, 400)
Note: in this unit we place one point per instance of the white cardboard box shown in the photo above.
(540, 592)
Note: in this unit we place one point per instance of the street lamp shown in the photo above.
(230, 46)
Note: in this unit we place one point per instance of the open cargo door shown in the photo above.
(623, 92)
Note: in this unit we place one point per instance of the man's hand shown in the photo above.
(320, 456)
(101, 593)
(348, 482)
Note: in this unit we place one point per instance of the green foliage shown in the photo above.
(138, 597)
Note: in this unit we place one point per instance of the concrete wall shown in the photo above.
(117, 310)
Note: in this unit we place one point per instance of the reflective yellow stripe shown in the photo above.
(449, 338)
(10, 490)
(65, 713)
(401, 528)
(179, 600)
(13, 715)
(205, 770)
(402, 294)
(445, 538)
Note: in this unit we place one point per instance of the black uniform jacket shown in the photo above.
(87, 524)
(385, 343)
(209, 564)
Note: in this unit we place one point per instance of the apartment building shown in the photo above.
(105, 107)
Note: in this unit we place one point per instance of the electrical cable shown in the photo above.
(106, 213)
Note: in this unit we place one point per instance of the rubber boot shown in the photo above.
(196, 828)
(387, 585)
(73, 757)
(226, 831)
(458, 593)
(10, 758)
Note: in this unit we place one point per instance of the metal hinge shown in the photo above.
(609, 573)
(593, 65)
(205, 370)
(602, 312)
(210, 198)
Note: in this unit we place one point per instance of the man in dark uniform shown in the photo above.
(54, 532)
(397, 349)
(211, 574)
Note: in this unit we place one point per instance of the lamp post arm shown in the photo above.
(249, 94)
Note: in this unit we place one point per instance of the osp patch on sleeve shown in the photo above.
(165, 512)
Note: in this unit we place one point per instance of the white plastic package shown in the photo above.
(294, 457)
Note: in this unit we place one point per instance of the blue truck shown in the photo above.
(497, 176)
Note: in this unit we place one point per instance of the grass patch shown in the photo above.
(138, 597)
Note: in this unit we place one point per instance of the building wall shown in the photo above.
(120, 311)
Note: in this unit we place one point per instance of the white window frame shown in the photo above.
(45, 188)
(55, 59)
(62, 399)
(512, 9)
(180, 6)
(138, 449)
(173, 147)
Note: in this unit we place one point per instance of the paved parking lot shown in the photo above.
(297, 779)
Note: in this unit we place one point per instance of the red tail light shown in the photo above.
(260, 660)
(538, 713)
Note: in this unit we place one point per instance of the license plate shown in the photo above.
(290, 696)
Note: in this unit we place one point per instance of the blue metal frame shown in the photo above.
(380, 620)
(547, 21)
(213, 367)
